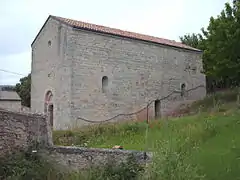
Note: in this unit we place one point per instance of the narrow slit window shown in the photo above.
(104, 84)
(183, 89)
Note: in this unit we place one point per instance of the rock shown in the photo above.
(117, 147)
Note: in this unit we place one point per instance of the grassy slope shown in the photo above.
(209, 140)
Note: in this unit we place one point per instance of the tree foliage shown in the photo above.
(220, 42)
(192, 40)
(7, 88)
(24, 90)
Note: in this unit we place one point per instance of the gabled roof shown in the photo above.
(117, 32)
(9, 96)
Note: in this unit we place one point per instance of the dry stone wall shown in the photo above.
(18, 131)
(76, 158)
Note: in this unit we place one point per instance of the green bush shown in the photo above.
(129, 170)
(23, 166)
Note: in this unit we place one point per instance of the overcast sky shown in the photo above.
(22, 19)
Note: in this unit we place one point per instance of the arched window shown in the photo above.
(48, 97)
(49, 43)
(104, 84)
(183, 88)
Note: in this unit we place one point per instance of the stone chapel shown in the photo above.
(87, 71)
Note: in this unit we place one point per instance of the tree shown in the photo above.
(192, 40)
(7, 88)
(220, 42)
(222, 56)
(24, 90)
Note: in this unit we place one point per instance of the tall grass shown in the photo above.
(24, 166)
(211, 101)
(28, 166)
(87, 137)
(179, 147)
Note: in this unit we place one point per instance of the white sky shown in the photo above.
(22, 19)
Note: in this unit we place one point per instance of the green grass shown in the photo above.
(211, 143)
(205, 145)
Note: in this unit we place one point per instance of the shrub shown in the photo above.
(171, 164)
(129, 170)
(24, 166)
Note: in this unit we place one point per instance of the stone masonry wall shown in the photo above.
(138, 72)
(18, 131)
(76, 158)
(73, 64)
(51, 72)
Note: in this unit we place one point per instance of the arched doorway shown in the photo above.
(157, 106)
(48, 106)
(183, 89)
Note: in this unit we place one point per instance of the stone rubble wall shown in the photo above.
(18, 131)
(75, 158)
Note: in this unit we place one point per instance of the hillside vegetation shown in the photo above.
(205, 145)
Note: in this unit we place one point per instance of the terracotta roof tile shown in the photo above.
(118, 32)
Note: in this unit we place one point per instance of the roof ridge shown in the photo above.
(120, 32)
(59, 17)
